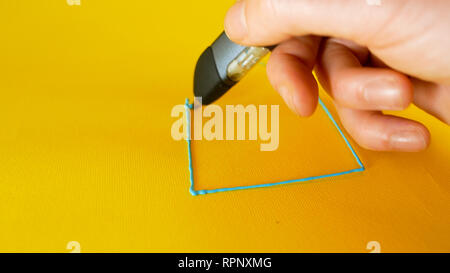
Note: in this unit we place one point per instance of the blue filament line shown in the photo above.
(188, 108)
(342, 133)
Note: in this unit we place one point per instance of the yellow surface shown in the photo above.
(87, 155)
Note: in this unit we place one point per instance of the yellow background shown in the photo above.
(86, 153)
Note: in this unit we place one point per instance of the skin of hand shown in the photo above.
(370, 55)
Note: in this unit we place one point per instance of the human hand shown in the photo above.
(369, 58)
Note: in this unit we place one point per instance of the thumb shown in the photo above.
(268, 22)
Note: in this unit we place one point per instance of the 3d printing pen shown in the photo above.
(222, 65)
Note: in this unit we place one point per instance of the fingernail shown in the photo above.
(235, 22)
(408, 141)
(297, 104)
(384, 95)
(287, 97)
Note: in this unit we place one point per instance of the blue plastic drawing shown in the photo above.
(189, 106)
